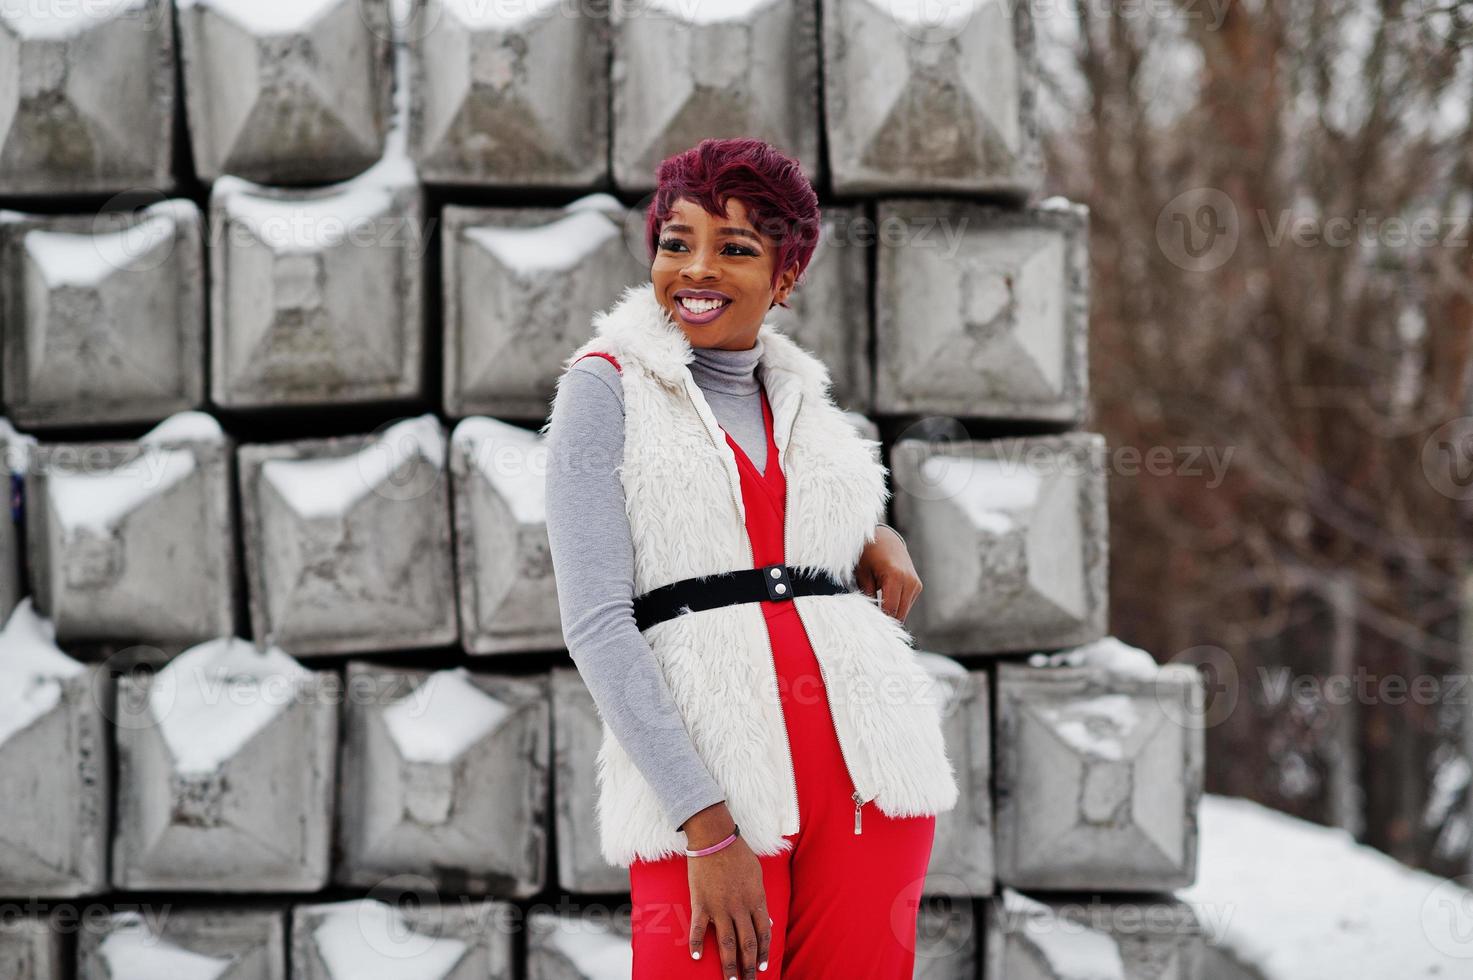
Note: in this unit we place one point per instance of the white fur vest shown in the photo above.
(683, 497)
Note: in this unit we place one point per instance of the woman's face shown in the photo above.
(714, 275)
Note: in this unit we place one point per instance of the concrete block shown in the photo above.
(347, 541)
(948, 937)
(136, 539)
(830, 313)
(933, 97)
(54, 766)
(103, 315)
(15, 451)
(961, 855)
(368, 938)
(510, 101)
(521, 286)
(576, 736)
(446, 776)
(241, 943)
(316, 295)
(286, 93)
(227, 760)
(1099, 771)
(30, 949)
(87, 106)
(982, 311)
(508, 597)
(685, 72)
(1152, 938)
(589, 946)
(1010, 537)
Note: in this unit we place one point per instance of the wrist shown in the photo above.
(710, 826)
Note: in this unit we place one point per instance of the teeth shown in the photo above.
(700, 305)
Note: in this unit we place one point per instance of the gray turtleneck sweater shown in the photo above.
(593, 561)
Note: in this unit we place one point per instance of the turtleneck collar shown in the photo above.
(732, 372)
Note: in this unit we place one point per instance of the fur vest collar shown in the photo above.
(683, 497)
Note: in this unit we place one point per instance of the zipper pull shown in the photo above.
(857, 804)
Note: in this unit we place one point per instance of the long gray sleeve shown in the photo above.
(593, 560)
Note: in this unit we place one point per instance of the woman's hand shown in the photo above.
(885, 567)
(726, 891)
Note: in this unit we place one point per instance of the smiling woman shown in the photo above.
(713, 518)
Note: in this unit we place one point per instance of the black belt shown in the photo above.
(768, 583)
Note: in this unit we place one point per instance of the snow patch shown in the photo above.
(331, 486)
(557, 247)
(32, 669)
(513, 461)
(444, 717)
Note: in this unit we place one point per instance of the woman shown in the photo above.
(772, 760)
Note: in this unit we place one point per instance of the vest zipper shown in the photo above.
(859, 801)
(752, 561)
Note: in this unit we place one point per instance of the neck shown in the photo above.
(730, 371)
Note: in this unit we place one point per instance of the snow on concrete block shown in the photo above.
(420, 940)
(588, 946)
(15, 453)
(104, 315)
(241, 943)
(511, 95)
(521, 286)
(88, 104)
(227, 760)
(576, 736)
(286, 91)
(1099, 771)
(445, 776)
(961, 855)
(948, 936)
(508, 597)
(686, 71)
(1091, 938)
(830, 311)
(136, 539)
(347, 541)
(931, 96)
(1285, 899)
(53, 748)
(1010, 537)
(30, 949)
(982, 311)
(316, 295)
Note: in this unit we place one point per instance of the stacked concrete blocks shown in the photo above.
(425, 940)
(985, 316)
(445, 776)
(931, 97)
(1010, 537)
(54, 765)
(961, 854)
(578, 947)
(577, 734)
(136, 540)
(521, 286)
(506, 99)
(507, 593)
(227, 943)
(30, 949)
(15, 451)
(103, 315)
(684, 72)
(87, 102)
(227, 760)
(286, 93)
(347, 541)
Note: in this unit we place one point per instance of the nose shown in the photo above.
(699, 266)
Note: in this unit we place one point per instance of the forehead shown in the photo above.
(689, 212)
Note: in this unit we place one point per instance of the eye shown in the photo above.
(742, 249)
(670, 243)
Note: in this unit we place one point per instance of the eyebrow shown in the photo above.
(729, 230)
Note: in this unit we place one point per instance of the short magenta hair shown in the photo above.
(780, 201)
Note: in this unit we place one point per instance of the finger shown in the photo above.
(908, 598)
(698, 922)
(747, 936)
(726, 939)
(865, 579)
(890, 593)
(764, 936)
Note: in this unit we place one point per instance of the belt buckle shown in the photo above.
(779, 585)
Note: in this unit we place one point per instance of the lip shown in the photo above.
(704, 318)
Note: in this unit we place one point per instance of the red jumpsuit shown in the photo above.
(842, 904)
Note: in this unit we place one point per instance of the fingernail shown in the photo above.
(695, 954)
(762, 965)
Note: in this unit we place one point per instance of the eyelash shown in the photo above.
(668, 242)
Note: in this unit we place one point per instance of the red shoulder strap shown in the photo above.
(608, 357)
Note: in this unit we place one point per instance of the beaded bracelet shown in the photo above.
(735, 832)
